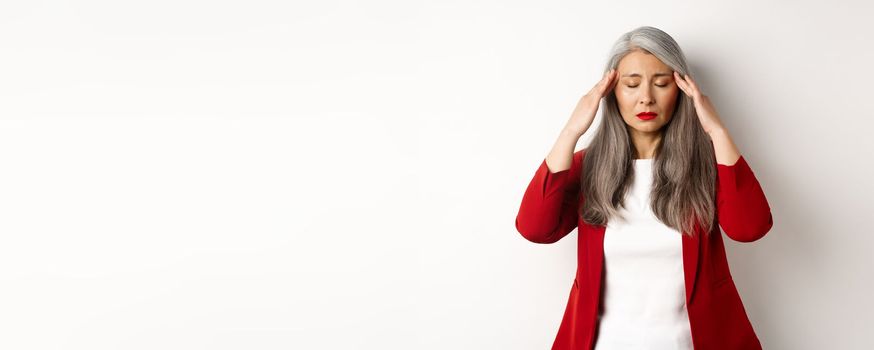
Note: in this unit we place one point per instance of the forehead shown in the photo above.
(640, 63)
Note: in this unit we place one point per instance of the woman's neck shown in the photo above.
(645, 144)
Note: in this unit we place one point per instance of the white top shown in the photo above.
(644, 297)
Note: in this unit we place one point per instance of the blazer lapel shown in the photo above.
(596, 250)
(691, 248)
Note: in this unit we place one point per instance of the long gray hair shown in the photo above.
(684, 168)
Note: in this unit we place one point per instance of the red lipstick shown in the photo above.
(647, 115)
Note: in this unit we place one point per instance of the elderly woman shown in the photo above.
(647, 195)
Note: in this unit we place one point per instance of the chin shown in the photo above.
(646, 126)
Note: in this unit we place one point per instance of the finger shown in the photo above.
(605, 81)
(689, 86)
(614, 80)
(695, 88)
(678, 79)
(692, 82)
(608, 76)
(680, 83)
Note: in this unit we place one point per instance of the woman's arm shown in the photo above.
(742, 208)
(724, 147)
(549, 206)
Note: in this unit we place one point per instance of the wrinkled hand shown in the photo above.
(706, 112)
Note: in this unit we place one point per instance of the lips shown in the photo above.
(647, 115)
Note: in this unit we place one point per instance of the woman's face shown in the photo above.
(645, 85)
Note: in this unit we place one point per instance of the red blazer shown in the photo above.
(716, 314)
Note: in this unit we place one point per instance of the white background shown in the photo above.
(345, 175)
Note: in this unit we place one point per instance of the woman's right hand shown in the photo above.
(587, 106)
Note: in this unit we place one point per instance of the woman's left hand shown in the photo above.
(706, 112)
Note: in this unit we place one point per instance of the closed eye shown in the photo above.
(634, 86)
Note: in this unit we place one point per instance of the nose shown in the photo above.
(646, 97)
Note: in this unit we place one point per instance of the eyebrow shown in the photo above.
(654, 75)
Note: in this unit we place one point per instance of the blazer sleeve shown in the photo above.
(549, 206)
(742, 209)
